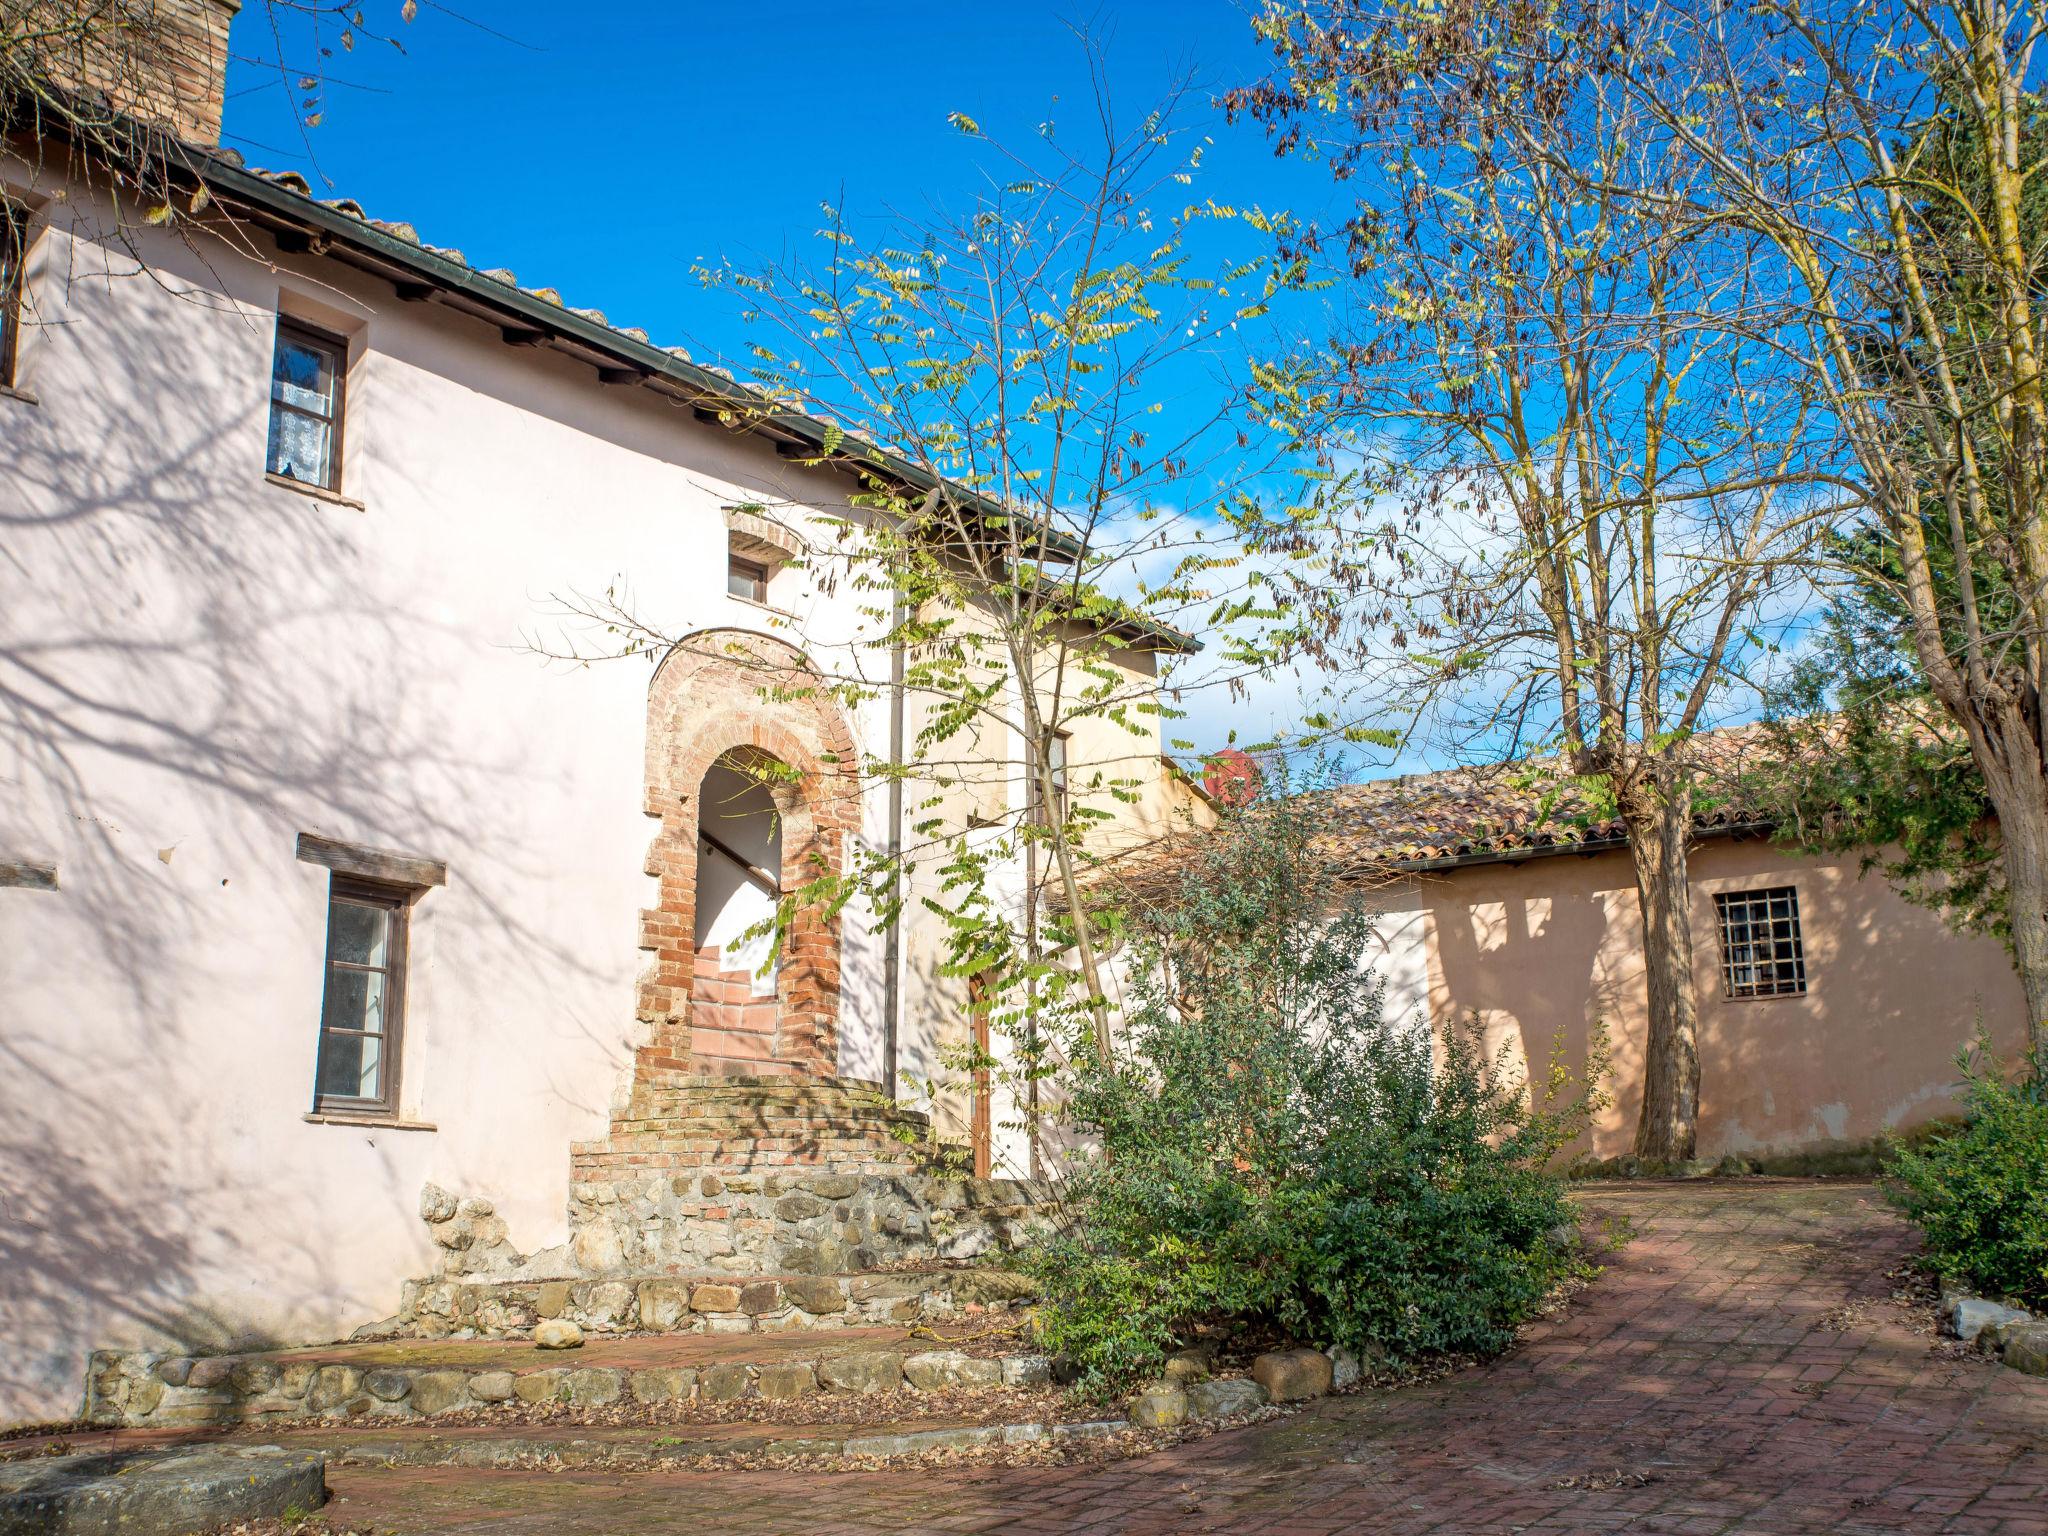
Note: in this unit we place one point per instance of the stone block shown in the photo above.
(491, 1386)
(439, 1391)
(1188, 1366)
(1972, 1315)
(799, 1207)
(605, 1305)
(1293, 1375)
(333, 1386)
(825, 1256)
(252, 1378)
(815, 1295)
(715, 1298)
(557, 1333)
(174, 1372)
(387, 1386)
(665, 1385)
(938, 1369)
(1027, 1371)
(1162, 1405)
(551, 1298)
(664, 1304)
(786, 1382)
(594, 1387)
(760, 1296)
(834, 1186)
(868, 1371)
(1224, 1399)
(722, 1383)
(436, 1204)
(541, 1386)
(2026, 1348)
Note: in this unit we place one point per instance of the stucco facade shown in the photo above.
(1542, 951)
(201, 664)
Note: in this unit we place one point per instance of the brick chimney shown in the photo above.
(162, 61)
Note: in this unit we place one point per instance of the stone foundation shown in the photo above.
(495, 1309)
(382, 1381)
(777, 1224)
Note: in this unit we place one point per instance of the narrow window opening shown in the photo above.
(746, 578)
(362, 1010)
(306, 380)
(1762, 951)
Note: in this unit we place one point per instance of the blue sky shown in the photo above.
(602, 151)
(603, 148)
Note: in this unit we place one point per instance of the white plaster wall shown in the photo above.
(195, 666)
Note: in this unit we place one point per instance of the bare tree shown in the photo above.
(1887, 157)
(1579, 480)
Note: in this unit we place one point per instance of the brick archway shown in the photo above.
(718, 691)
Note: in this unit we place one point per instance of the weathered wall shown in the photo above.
(1547, 948)
(198, 665)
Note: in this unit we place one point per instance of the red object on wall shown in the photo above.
(1232, 778)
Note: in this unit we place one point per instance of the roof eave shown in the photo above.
(707, 389)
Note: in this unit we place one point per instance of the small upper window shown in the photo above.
(1056, 765)
(305, 405)
(363, 1009)
(13, 258)
(1762, 953)
(746, 578)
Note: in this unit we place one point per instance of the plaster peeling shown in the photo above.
(1902, 1108)
(1833, 1120)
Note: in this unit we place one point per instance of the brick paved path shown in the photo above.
(1739, 1365)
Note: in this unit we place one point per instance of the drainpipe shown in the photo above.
(892, 953)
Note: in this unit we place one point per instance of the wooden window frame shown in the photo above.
(397, 900)
(337, 417)
(14, 291)
(754, 572)
(1741, 916)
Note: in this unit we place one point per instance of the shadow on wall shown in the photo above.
(1532, 952)
(186, 652)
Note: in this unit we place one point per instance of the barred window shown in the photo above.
(1762, 954)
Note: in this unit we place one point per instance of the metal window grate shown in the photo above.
(1762, 954)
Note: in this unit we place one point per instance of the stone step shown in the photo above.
(709, 1303)
(894, 1427)
(408, 1380)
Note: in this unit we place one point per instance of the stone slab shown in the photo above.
(158, 1492)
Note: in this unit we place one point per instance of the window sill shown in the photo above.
(15, 392)
(317, 492)
(376, 1121)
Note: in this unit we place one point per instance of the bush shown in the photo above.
(1269, 1149)
(1979, 1193)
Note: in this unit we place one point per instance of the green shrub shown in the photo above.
(1268, 1148)
(1979, 1193)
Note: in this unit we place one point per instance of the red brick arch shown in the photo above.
(717, 691)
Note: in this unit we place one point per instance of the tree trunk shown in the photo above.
(2008, 755)
(1659, 820)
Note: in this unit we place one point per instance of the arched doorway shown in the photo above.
(746, 748)
(733, 1006)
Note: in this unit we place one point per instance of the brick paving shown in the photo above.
(1739, 1368)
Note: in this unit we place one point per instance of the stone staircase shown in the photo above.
(743, 1124)
(732, 1022)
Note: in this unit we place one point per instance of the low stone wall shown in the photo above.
(140, 1388)
(795, 1224)
(511, 1308)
